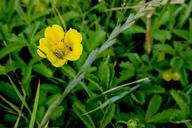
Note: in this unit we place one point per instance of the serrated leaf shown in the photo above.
(128, 71)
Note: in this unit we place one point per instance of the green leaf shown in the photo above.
(139, 97)
(179, 98)
(68, 70)
(153, 106)
(7, 90)
(57, 112)
(185, 15)
(11, 8)
(21, 13)
(135, 29)
(108, 116)
(165, 18)
(148, 89)
(163, 116)
(113, 99)
(26, 73)
(50, 88)
(79, 109)
(70, 15)
(40, 113)
(162, 35)
(94, 41)
(43, 70)
(35, 106)
(190, 29)
(165, 48)
(134, 58)
(10, 48)
(176, 63)
(182, 33)
(2, 126)
(52, 98)
(9, 118)
(104, 73)
(184, 77)
(2, 70)
(82, 60)
(128, 71)
(19, 94)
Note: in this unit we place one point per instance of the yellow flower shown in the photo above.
(59, 47)
(167, 75)
(176, 76)
(170, 75)
(161, 56)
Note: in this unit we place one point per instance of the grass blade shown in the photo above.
(108, 116)
(35, 106)
(19, 94)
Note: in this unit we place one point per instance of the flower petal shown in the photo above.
(43, 47)
(76, 52)
(58, 30)
(49, 34)
(55, 61)
(41, 54)
(54, 33)
(73, 36)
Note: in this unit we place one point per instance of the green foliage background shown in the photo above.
(159, 97)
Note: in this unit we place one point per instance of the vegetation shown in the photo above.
(134, 70)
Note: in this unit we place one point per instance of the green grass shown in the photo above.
(134, 71)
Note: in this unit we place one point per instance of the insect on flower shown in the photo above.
(59, 54)
(59, 47)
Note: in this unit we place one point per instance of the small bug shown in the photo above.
(62, 40)
(70, 49)
(58, 54)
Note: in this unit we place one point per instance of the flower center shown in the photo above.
(59, 54)
(62, 49)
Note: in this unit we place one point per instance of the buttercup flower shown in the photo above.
(59, 47)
